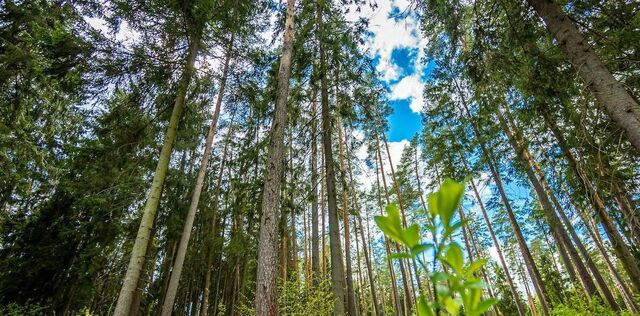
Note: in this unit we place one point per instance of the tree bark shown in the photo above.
(620, 247)
(315, 251)
(351, 298)
(403, 272)
(139, 250)
(410, 263)
(626, 295)
(337, 269)
(532, 269)
(374, 298)
(617, 101)
(496, 243)
(394, 287)
(266, 297)
(214, 220)
(176, 271)
(571, 257)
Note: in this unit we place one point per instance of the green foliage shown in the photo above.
(297, 298)
(582, 308)
(457, 288)
(21, 310)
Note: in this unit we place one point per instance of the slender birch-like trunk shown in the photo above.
(532, 269)
(570, 257)
(139, 250)
(351, 298)
(176, 271)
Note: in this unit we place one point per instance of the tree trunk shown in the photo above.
(323, 216)
(571, 256)
(588, 261)
(315, 251)
(176, 271)
(351, 298)
(139, 250)
(524, 249)
(214, 220)
(403, 272)
(620, 247)
(410, 263)
(305, 253)
(496, 243)
(374, 298)
(337, 269)
(147, 273)
(617, 102)
(626, 294)
(394, 287)
(532, 269)
(266, 297)
(425, 209)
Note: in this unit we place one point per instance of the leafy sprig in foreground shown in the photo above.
(456, 287)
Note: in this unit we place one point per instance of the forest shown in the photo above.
(320, 157)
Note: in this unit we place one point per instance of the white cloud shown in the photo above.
(389, 34)
(395, 149)
(125, 34)
(409, 87)
(367, 175)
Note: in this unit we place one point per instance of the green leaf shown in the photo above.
(411, 235)
(475, 266)
(485, 305)
(452, 305)
(420, 248)
(448, 200)
(433, 204)
(471, 298)
(474, 284)
(393, 214)
(424, 309)
(454, 258)
(439, 276)
(384, 225)
(401, 255)
(388, 227)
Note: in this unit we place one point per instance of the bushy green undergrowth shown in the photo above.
(594, 308)
(297, 298)
(21, 310)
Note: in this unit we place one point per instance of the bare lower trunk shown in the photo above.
(405, 281)
(410, 263)
(394, 288)
(374, 298)
(176, 271)
(625, 293)
(315, 251)
(617, 102)
(337, 269)
(571, 256)
(146, 275)
(522, 244)
(139, 250)
(620, 247)
(351, 298)
(214, 221)
(496, 243)
(266, 297)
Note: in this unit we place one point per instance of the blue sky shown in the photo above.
(397, 47)
(404, 122)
